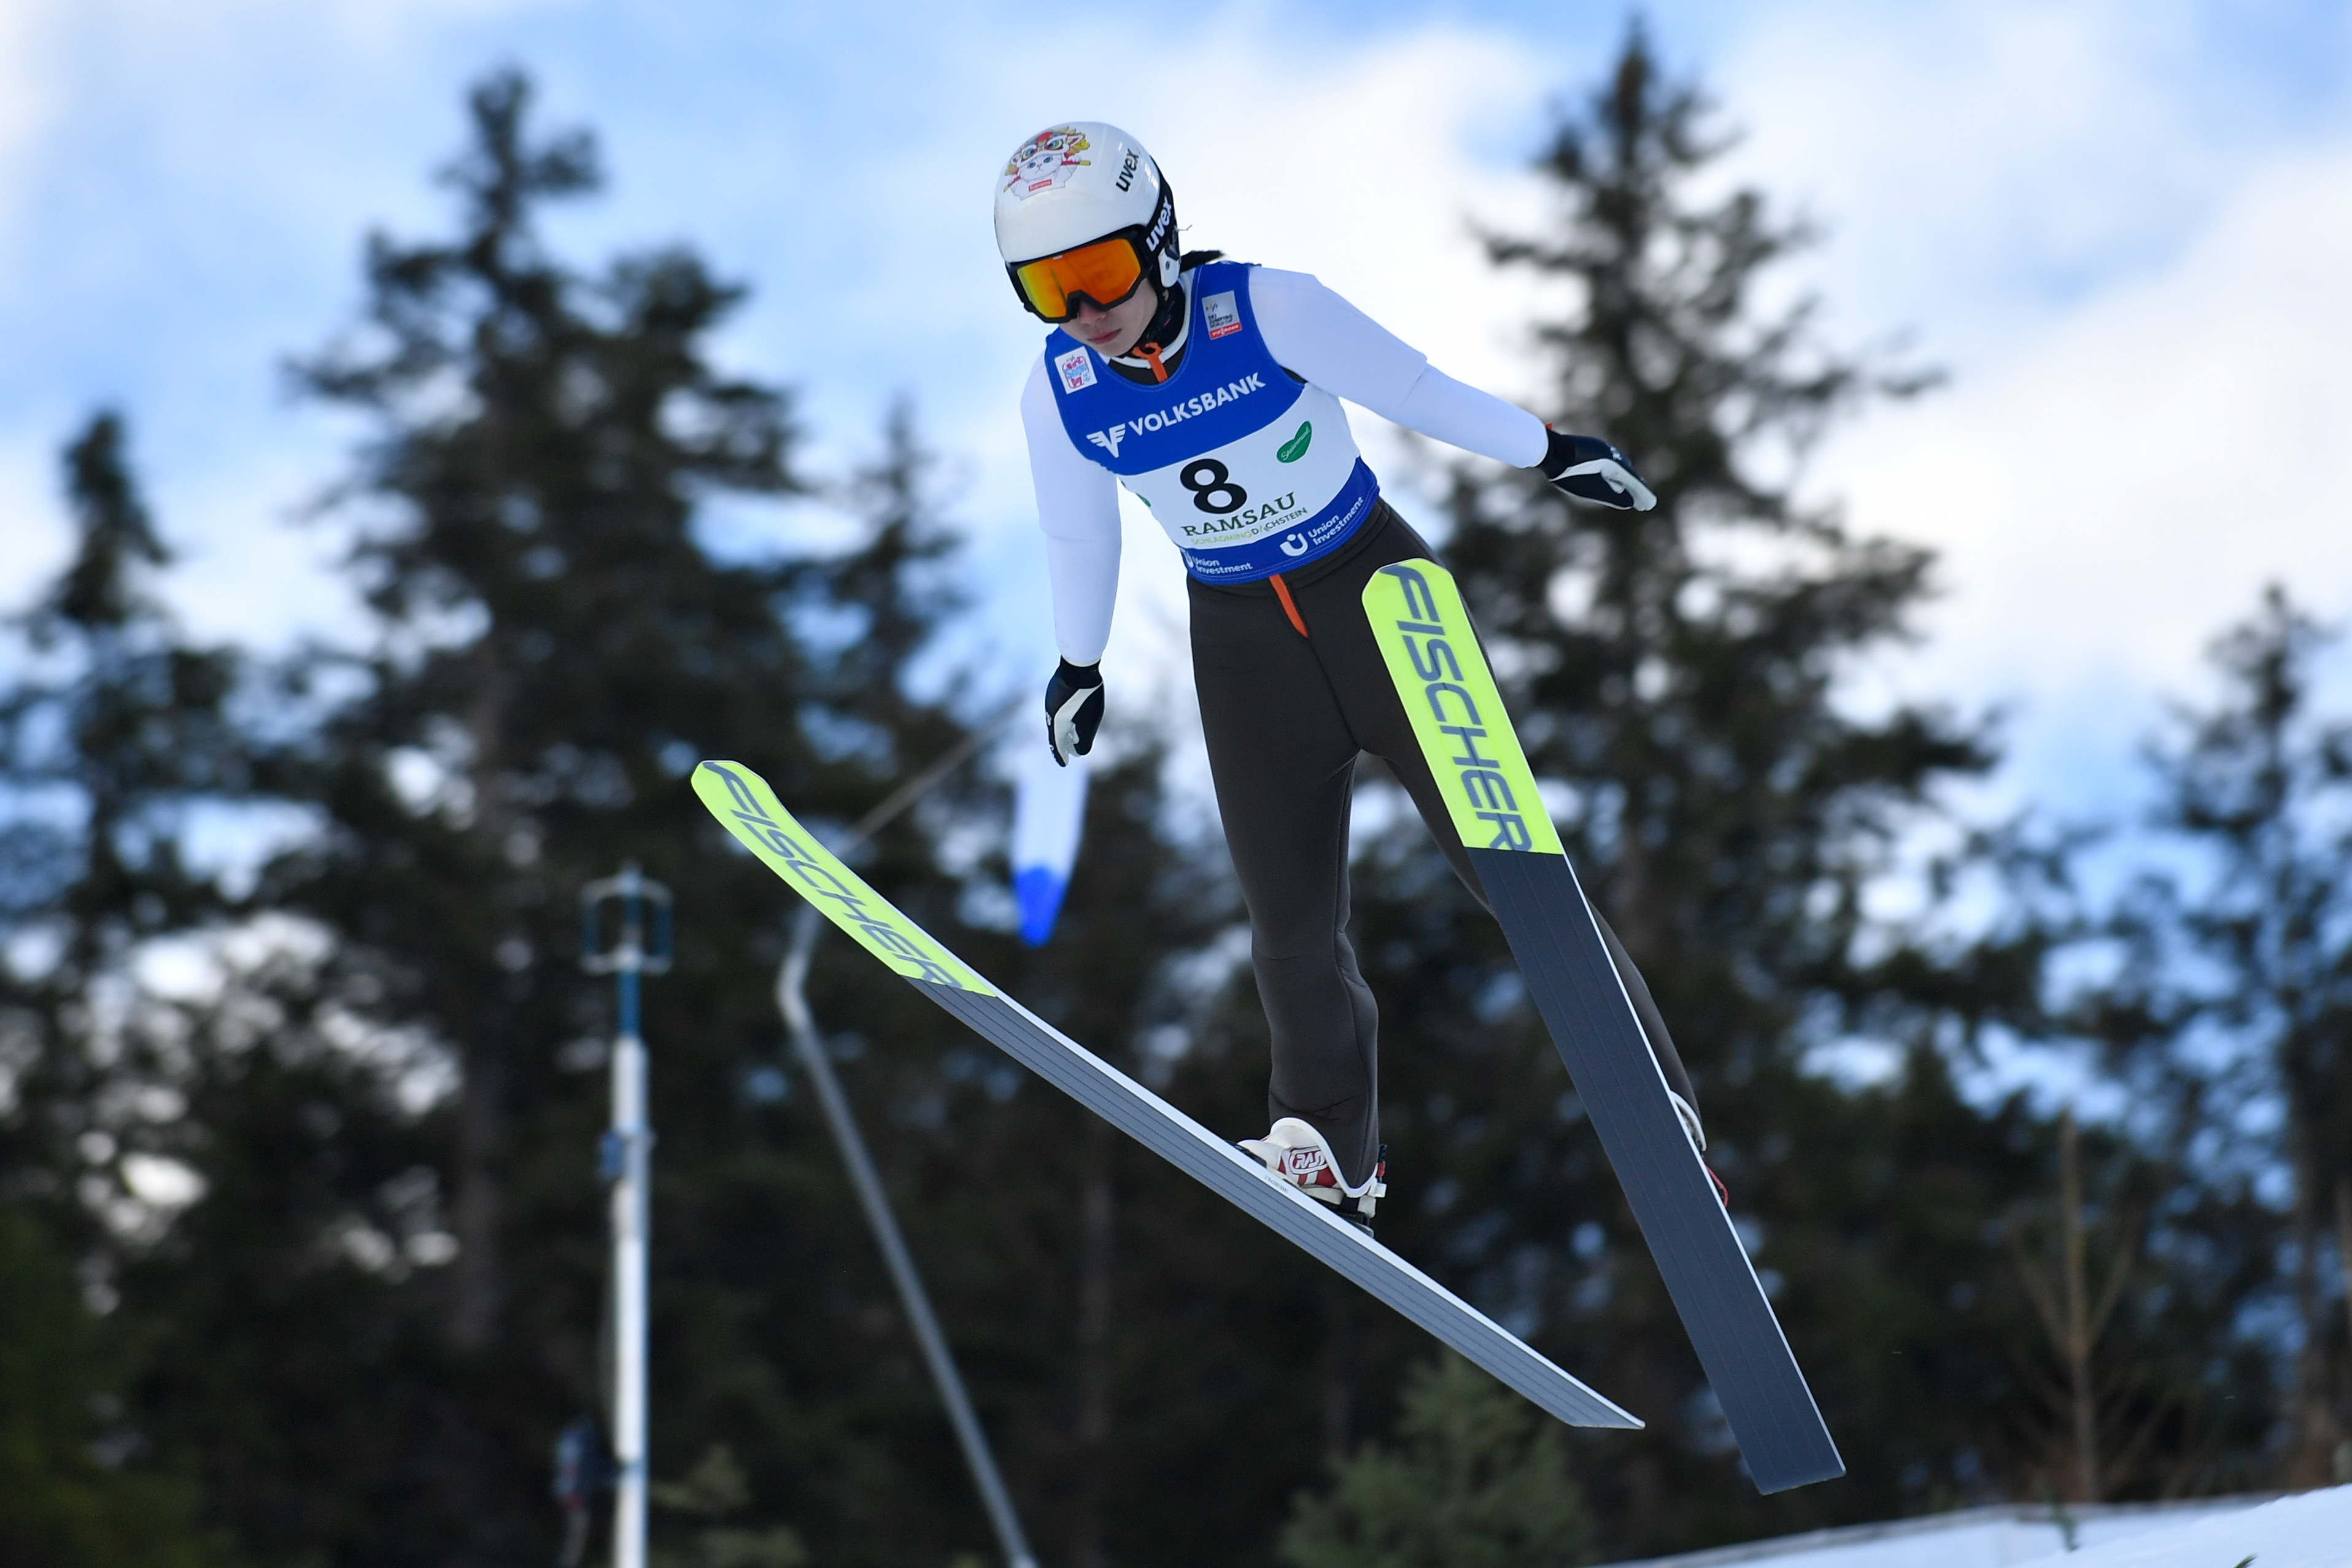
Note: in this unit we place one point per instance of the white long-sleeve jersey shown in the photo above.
(1316, 334)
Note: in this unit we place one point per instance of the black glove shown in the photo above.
(1073, 710)
(1590, 469)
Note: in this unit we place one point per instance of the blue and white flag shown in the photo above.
(1049, 805)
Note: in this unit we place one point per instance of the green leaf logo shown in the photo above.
(1292, 450)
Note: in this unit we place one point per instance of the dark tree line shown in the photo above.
(300, 1233)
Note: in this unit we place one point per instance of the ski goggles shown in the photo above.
(1105, 273)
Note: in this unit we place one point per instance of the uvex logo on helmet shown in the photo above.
(1156, 236)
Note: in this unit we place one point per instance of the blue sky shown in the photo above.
(2125, 229)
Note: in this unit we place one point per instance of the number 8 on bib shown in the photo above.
(1248, 470)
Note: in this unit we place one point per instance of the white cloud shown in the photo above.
(2132, 266)
(29, 98)
(1360, 168)
(30, 519)
(1970, 157)
(186, 212)
(2117, 484)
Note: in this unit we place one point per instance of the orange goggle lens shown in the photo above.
(1105, 272)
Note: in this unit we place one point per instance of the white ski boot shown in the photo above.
(1697, 1133)
(1296, 1153)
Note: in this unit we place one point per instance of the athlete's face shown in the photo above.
(1118, 329)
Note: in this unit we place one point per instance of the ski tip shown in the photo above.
(749, 809)
(1787, 1478)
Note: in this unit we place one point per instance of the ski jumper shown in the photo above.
(1244, 456)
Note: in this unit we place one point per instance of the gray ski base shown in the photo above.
(1243, 1181)
(1575, 987)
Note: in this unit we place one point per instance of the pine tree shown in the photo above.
(386, 1305)
(65, 1495)
(1478, 1479)
(1683, 688)
(117, 730)
(1676, 674)
(2140, 1362)
(2229, 1016)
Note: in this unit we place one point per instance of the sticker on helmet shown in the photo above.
(1045, 161)
(1077, 369)
(1222, 314)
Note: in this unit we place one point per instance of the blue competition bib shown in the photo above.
(1249, 470)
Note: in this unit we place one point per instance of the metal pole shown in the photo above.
(922, 783)
(627, 1157)
(801, 1027)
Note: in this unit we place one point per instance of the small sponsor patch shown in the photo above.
(1077, 369)
(1222, 314)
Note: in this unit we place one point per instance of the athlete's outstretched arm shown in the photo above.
(1077, 508)
(1319, 335)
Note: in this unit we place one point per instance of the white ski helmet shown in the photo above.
(1069, 186)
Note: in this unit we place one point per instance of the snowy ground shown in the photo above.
(2310, 1530)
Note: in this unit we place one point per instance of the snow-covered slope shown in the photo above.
(2311, 1531)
